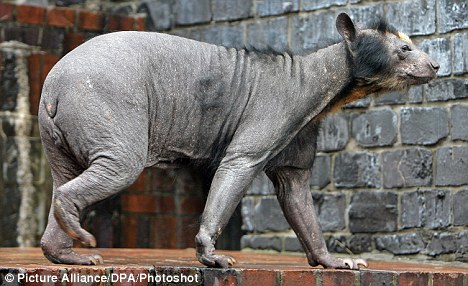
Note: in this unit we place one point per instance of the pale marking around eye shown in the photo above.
(404, 37)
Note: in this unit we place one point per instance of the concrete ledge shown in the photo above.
(27, 266)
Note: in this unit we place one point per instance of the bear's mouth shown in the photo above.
(420, 79)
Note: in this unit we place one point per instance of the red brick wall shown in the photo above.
(162, 208)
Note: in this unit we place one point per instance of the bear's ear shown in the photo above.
(345, 27)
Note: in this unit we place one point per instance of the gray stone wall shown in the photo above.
(24, 177)
(391, 175)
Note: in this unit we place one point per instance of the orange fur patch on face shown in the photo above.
(404, 37)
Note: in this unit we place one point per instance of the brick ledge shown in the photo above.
(252, 269)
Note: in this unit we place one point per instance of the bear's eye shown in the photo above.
(406, 48)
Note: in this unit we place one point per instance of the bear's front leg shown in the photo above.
(229, 184)
(295, 198)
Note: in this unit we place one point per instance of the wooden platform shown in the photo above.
(27, 266)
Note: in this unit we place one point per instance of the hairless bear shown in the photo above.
(129, 100)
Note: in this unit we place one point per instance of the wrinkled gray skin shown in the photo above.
(129, 100)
